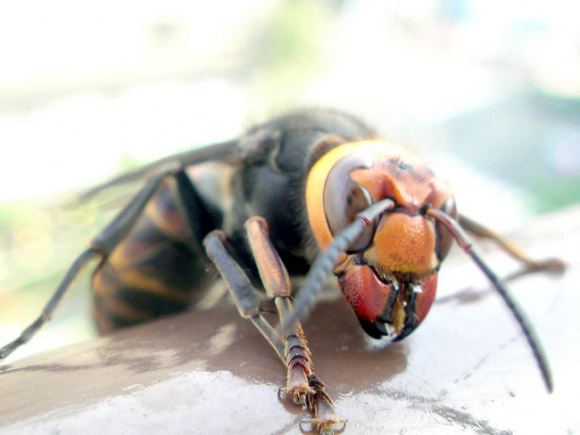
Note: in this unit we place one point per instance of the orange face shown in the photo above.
(389, 276)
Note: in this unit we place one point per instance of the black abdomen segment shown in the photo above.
(159, 269)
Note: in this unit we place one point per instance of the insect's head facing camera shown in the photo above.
(389, 274)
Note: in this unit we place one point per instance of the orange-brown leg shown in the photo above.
(530, 265)
(302, 385)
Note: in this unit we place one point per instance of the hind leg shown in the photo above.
(101, 246)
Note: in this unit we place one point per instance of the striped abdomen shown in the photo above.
(159, 269)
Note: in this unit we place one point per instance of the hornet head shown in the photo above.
(389, 274)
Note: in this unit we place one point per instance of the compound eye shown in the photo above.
(444, 238)
(344, 198)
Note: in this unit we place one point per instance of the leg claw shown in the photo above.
(323, 427)
(299, 395)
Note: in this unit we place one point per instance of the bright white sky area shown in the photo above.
(83, 86)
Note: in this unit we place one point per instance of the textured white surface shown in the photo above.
(466, 370)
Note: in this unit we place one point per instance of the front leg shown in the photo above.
(301, 384)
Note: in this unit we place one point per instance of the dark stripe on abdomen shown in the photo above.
(150, 303)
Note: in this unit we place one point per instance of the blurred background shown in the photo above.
(488, 92)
